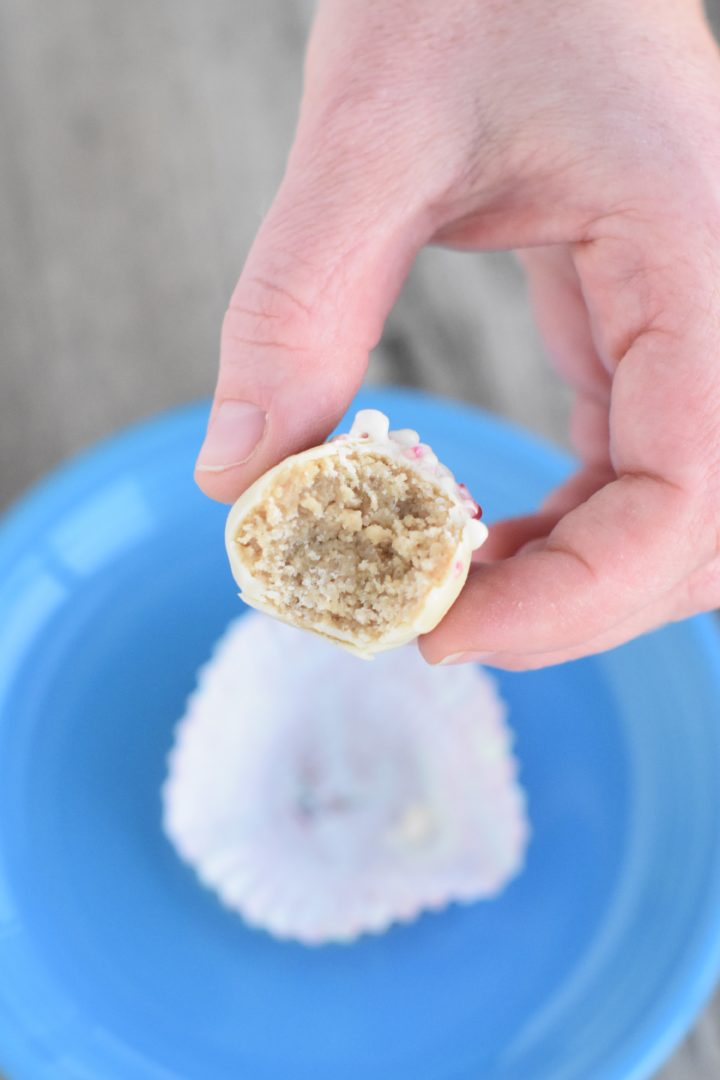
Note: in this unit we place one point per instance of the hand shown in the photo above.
(585, 134)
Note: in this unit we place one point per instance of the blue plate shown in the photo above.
(116, 965)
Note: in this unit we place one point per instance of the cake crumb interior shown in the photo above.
(349, 544)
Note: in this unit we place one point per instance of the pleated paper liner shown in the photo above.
(322, 797)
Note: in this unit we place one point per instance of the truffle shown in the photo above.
(366, 540)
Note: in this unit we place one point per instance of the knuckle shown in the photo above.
(269, 297)
(266, 314)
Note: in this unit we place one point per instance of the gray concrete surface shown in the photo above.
(140, 144)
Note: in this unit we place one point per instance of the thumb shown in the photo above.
(318, 283)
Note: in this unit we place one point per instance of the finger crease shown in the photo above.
(272, 287)
(560, 549)
(265, 343)
(655, 478)
(236, 310)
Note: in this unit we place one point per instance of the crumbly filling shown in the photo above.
(349, 544)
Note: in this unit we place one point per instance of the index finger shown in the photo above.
(606, 559)
(655, 524)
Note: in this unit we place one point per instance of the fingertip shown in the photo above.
(456, 635)
(234, 433)
(604, 563)
(224, 487)
(534, 601)
(242, 444)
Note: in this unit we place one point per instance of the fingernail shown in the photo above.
(235, 430)
(468, 658)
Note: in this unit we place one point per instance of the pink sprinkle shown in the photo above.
(473, 507)
(365, 435)
(458, 567)
(415, 452)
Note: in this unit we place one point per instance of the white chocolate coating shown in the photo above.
(321, 799)
(371, 432)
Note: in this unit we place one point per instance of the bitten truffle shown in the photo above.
(366, 540)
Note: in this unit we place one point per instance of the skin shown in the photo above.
(585, 136)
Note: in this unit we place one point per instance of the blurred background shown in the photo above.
(141, 146)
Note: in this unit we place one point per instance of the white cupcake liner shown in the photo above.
(322, 798)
